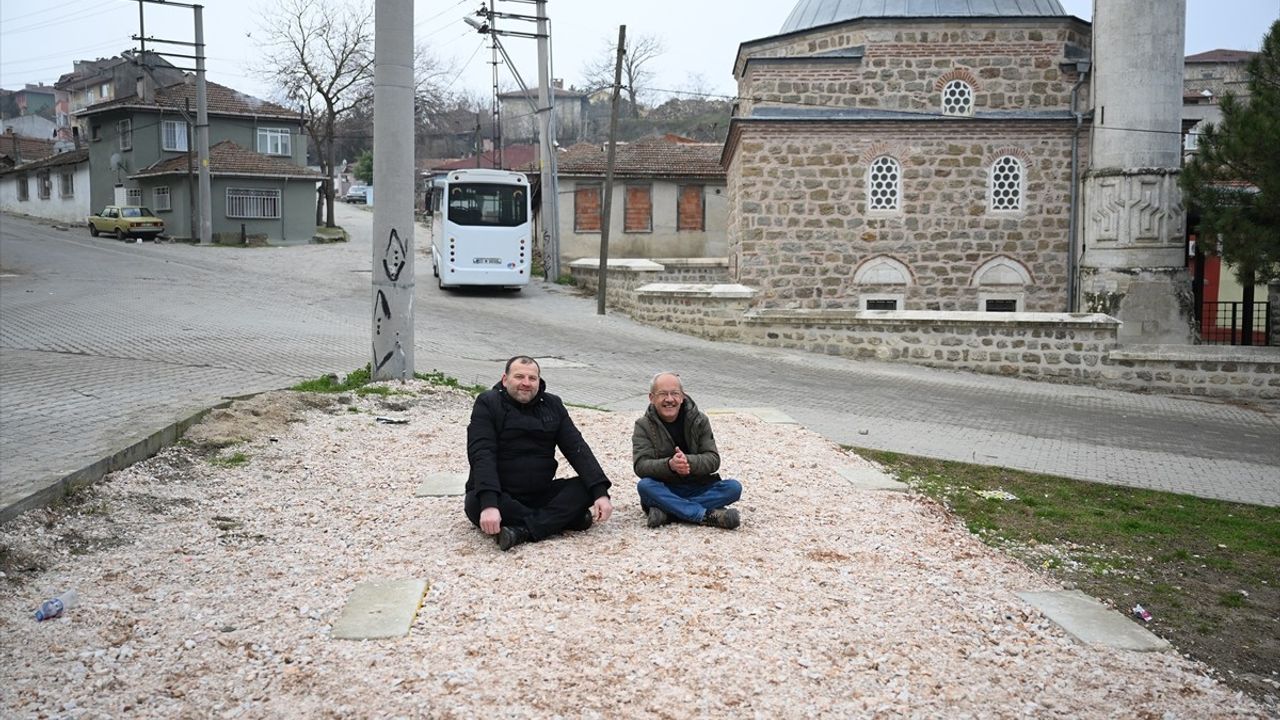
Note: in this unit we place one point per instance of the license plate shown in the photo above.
(487, 261)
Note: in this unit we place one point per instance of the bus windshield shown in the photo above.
(488, 204)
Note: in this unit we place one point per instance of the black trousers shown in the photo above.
(544, 514)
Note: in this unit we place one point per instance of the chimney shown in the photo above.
(557, 83)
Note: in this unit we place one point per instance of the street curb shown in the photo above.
(93, 472)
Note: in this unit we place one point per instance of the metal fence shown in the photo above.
(1223, 323)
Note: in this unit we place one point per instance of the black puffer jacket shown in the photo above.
(512, 446)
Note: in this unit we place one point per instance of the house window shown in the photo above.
(175, 136)
(133, 196)
(104, 91)
(881, 302)
(124, 132)
(1006, 184)
(691, 208)
(884, 184)
(43, 186)
(95, 133)
(638, 209)
(160, 199)
(587, 209)
(998, 304)
(67, 184)
(253, 204)
(957, 98)
(273, 141)
(24, 191)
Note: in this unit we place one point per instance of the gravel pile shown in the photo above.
(209, 590)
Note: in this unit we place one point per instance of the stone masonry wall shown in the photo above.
(1013, 65)
(800, 227)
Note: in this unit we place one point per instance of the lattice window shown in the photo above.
(957, 98)
(160, 199)
(253, 204)
(133, 196)
(1006, 183)
(884, 184)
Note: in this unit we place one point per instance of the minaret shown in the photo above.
(1133, 265)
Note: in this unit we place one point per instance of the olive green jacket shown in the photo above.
(652, 447)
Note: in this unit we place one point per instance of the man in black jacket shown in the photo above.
(512, 492)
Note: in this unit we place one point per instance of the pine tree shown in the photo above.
(1234, 178)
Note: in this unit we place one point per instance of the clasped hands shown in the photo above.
(679, 463)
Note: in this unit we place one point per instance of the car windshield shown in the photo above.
(135, 212)
(488, 204)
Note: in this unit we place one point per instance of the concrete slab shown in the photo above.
(767, 414)
(442, 485)
(1091, 622)
(380, 609)
(869, 478)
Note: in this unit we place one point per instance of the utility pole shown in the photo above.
(495, 130)
(608, 175)
(547, 150)
(205, 198)
(393, 276)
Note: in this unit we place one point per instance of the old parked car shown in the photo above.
(126, 221)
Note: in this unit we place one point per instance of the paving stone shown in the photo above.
(1091, 622)
(442, 485)
(380, 609)
(869, 478)
(767, 414)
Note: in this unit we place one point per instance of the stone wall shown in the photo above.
(714, 312)
(1244, 373)
(711, 271)
(1056, 346)
(626, 275)
(1011, 65)
(800, 228)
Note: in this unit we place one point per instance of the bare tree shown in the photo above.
(641, 50)
(320, 56)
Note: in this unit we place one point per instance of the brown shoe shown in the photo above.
(726, 518)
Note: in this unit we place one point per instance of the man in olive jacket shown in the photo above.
(512, 492)
(675, 457)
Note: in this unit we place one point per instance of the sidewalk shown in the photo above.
(213, 589)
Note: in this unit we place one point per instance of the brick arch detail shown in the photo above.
(964, 74)
(871, 262)
(895, 150)
(990, 158)
(1002, 261)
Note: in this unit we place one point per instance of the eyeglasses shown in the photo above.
(664, 394)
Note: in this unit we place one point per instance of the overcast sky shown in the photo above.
(39, 39)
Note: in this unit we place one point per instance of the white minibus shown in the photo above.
(481, 228)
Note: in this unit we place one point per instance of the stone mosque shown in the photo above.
(964, 155)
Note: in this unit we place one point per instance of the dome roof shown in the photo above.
(812, 13)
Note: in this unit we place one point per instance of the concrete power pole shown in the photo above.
(202, 134)
(607, 216)
(1133, 265)
(546, 125)
(393, 280)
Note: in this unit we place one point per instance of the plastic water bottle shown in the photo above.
(53, 607)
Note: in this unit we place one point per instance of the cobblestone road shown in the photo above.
(102, 343)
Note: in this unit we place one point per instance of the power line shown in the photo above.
(46, 10)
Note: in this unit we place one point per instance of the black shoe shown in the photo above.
(658, 517)
(726, 518)
(510, 536)
(582, 523)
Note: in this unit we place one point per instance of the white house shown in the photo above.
(55, 187)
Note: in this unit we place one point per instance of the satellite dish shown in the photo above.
(117, 162)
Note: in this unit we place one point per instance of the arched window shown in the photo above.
(1001, 284)
(890, 279)
(1007, 176)
(957, 98)
(884, 184)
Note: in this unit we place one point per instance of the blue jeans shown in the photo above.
(687, 501)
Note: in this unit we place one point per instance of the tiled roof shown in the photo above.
(650, 157)
(221, 99)
(1221, 56)
(73, 157)
(514, 157)
(28, 148)
(228, 158)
